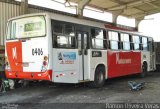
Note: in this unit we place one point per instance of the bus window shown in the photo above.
(98, 38)
(79, 41)
(125, 40)
(85, 46)
(28, 27)
(113, 35)
(113, 38)
(58, 28)
(145, 43)
(150, 44)
(136, 42)
(105, 43)
(63, 35)
(114, 45)
(62, 41)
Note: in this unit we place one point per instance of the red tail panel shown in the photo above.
(14, 54)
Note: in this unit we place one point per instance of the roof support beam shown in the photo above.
(115, 15)
(142, 14)
(114, 18)
(118, 1)
(129, 5)
(24, 6)
(155, 6)
(80, 7)
(137, 22)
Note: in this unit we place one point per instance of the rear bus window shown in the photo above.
(34, 26)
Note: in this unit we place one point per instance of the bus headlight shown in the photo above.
(44, 64)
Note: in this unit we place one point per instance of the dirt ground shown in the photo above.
(115, 91)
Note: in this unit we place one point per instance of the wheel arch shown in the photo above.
(98, 73)
(145, 63)
(100, 65)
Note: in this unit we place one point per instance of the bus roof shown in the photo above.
(26, 15)
(83, 21)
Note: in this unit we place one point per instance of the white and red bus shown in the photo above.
(66, 49)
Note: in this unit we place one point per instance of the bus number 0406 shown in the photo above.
(37, 51)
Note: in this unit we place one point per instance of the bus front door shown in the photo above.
(83, 53)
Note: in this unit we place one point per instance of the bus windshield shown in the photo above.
(27, 27)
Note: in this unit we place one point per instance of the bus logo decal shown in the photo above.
(66, 57)
(96, 54)
(60, 56)
(122, 61)
(69, 56)
(14, 53)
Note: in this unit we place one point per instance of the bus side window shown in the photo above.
(151, 44)
(70, 32)
(136, 42)
(98, 38)
(57, 29)
(107, 39)
(131, 42)
(145, 43)
(125, 41)
(113, 40)
(63, 35)
(105, 35)
(141, 44)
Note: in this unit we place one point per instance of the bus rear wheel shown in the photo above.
(144, 70)
(99, 78)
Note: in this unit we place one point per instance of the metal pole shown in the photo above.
(24, 6)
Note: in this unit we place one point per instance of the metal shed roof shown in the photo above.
(129, 8)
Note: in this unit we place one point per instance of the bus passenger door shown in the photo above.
(83, 53)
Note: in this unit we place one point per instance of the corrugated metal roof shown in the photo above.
(129, 8)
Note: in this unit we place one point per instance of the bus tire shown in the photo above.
(99, 78)
(144, 70)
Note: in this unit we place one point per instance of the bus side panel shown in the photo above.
(97, 57)
(65, 66)
(121, 63)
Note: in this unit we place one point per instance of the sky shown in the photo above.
(149, 26)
